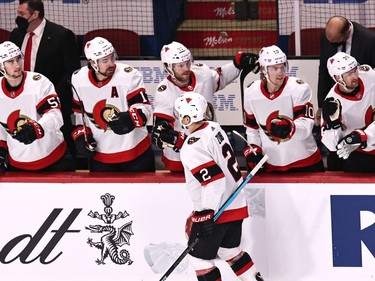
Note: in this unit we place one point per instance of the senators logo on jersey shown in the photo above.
(15, 119)
(102, 114)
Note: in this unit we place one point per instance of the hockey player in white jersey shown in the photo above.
(30, 117)
(212, 174)
(279, 118)
(186, 76)
(111, 109)
(348, 128)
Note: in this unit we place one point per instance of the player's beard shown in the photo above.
(108, 72)
(183, 80)
(353, 84)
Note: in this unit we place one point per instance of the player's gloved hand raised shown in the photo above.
(164, 136)
(349, 143)
(246, 61)
(203, 223)
(84, 142)
(28, 132)
(282, 128)
(125, 122)
(3, 155)
(253, 157)
(331, 112)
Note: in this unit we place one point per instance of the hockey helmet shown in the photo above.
(8, 51)
(174, 52)
(190, 104)
(271, 55)
(98, 48)
(339, 64)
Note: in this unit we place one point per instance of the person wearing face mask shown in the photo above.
(279, 117)
(51, 51)
(346, 36)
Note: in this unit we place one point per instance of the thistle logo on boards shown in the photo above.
(112, 239)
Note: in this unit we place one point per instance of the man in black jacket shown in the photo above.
(345, 36)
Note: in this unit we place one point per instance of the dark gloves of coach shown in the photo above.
(3, 157)
(349, 143)
(246, 61)
(253, 156)
(28, 132)
(331, 112)
(125, 122)
(164, 136)
(203, 223)
(84, 142)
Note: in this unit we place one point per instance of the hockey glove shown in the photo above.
(28, 132)
(246, 61)
(84, 142)
(331, 112)
(164, 136)
(3, 156)
(203, 224)
(125, 122)
(253, 157)
(282, 128)
(349, 143)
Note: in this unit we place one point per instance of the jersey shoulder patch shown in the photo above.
(162, 88)
(300, 81)
(128, 69)
(364, 67)
(37, 77)
(193, 140)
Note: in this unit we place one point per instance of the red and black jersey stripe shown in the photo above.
(207, 173)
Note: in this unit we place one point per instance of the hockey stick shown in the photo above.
(216, 216)
(251, 148)
(243, 75)
(89, 146)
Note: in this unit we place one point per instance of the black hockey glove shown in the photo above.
(28, 132)
(203, 224)
(125, 122)
(253, 157)
(84, 142)
(246, 61)
(282, 128)
(331, 112)
(349, 143)
(3, 157)
(164, 136)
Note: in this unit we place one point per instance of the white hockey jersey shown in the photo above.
(357, 112)
(204, 81)
(293, 100)
(103, 100)
(36, 100)
(212, 173)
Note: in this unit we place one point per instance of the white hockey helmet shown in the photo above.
(172, 53)
(8, 51)
(339, 64)
(271, 55)
(190, 104)
(98, 48)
